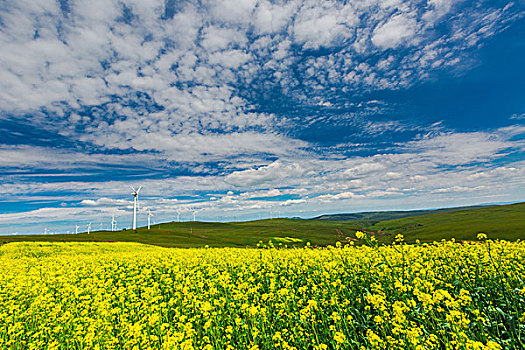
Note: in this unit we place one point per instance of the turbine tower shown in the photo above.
(76, 229)
(45, 231)
(89, 228)
(178, 215)
(194, 214)
(135, 200)
(149, 216)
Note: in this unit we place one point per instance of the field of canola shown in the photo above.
(444, 295)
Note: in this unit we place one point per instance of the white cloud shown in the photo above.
(35, 157)
(339, 196)
(232, 11)
(363, 169)
(459, 189)
(400, 29)
(230, 59)
(464, 148)
(324, 24)
(198, 147)
(217, 38)
(289, 202)
(272, 18)
(105, 202)
(437, 9)
(272, 174)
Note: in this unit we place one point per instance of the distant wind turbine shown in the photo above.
(149, 216)
(113, 223)
(76, 229)
(45, 231)
(194, 214)
(135, 200)
(178, 215)
(89, 228)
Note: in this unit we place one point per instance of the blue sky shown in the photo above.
(250, 109)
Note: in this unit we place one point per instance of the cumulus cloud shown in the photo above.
(338, 196)
(324, 24)
(399, 29)
(272, 18)
(232, 11)
(217, 38)
(105, 201)
(272, 174)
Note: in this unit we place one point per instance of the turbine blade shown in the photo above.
(132, 188)
(139, 189)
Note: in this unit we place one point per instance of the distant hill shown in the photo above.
(498, 221)
(372, 217)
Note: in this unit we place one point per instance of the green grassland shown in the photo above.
(194, 234)
(500, 221)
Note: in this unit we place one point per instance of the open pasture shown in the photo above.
(192, 234)
(442, 295)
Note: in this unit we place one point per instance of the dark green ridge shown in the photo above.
(498, 222)
(373, 217)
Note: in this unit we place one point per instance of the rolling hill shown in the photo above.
(499, 221)
(214, 234)
(373, 217)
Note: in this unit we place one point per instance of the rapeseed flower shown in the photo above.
(442, 295)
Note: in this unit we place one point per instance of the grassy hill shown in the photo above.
(372, 217)
(499, 221)
(194, 234)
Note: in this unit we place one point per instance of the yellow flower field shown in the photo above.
(444, 295)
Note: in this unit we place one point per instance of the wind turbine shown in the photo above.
(135, 200)
(149, 216)
(89, 228)
(178, 215)
(194, 214)
(113, 223)
(45, 231)
(76, 229)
